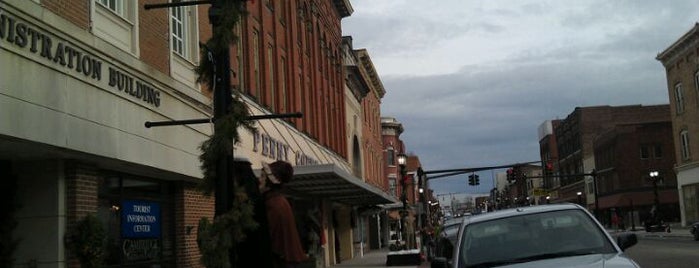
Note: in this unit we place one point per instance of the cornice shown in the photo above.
(671, 54)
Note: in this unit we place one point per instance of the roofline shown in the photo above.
(667, 57)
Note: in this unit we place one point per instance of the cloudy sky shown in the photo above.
(471, 81)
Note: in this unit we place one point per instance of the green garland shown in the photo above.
(215, 239)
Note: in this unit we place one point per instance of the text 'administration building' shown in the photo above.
(78, 80)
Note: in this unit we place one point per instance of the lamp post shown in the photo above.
(654, 177)
(580, 198)
(402, 160)
(548, 199)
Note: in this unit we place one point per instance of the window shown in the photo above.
(116, 6)
(282, 11)
(256, 63)
(684, 144)
(121, 196)
(116, 22)
(179, 31)
(270, 83)
(391, 157)
(183, 44)
(658, 151)
(696, 84)
(679, 98)
(645, 152)
(282, 88)
(392, 186)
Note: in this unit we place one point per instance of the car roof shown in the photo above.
(453, 221)
(519, 211)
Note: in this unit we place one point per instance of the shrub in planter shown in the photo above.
(86, 241)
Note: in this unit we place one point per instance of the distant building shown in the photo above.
(624, 157)
(575, 145)
(548, 150)
(680, 62)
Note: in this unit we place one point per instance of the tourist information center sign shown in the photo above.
(140, 219)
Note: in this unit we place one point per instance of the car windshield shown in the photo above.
(531, 237)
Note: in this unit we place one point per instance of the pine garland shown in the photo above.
(215, 239)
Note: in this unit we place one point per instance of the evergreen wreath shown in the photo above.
(216, 238)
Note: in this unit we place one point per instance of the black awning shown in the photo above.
(327, 181)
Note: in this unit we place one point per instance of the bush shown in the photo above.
(86, 241)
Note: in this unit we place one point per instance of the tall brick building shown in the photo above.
(625, 155)
(681, 62)
(575, 144)
(80, 78)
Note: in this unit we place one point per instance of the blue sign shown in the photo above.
(140, 219)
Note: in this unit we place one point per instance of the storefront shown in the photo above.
(73, 143)
(324, 194)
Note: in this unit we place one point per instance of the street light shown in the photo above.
(548, 199)
(402, 159)
(654, 177)
(580, 198)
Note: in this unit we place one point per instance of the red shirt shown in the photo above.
(282, 229)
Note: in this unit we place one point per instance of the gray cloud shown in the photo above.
(487, 113)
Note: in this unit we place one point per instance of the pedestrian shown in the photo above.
(286, 245)
(615, 220)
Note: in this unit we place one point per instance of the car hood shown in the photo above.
(593, 260)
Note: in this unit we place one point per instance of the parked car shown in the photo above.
(444, 244)
(694, 229)
(558, 235)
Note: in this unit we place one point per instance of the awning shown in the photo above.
(327, 181)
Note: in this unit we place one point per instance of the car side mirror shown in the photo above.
(439, 262)
(625, 241)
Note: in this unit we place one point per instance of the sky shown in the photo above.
(472, 81)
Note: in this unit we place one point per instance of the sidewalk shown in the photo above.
(676, 231)
(373, 259)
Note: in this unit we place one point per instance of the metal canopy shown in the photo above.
(327, 181)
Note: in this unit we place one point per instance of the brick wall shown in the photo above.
(154, 36)
(308, 35)
(81, 197)
(191, 205)
(76, 11)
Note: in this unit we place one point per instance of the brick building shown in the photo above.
(624, 157)
(363, 93)
(681, 60)
(575, 144)
(80, 78)
(548, 151)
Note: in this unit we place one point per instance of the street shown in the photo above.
(676, 252)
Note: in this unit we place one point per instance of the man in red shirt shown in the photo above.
(286, 244)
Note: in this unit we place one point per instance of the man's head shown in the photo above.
(282, 170)
(274, 175)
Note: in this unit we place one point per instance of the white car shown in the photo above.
(558, 235)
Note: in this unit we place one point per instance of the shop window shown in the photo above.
(138, 216)
(184, 43)
(116, 22)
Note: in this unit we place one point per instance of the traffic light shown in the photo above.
(473, 180)
(510, 175)
(548, 169)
